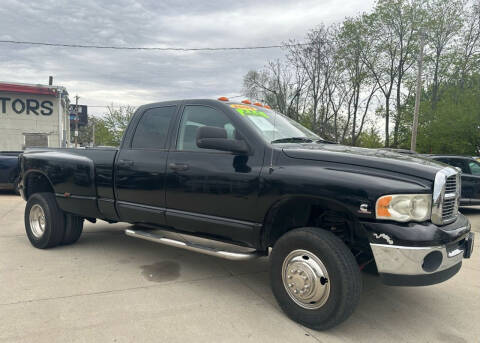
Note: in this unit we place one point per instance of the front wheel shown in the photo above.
(315, 278)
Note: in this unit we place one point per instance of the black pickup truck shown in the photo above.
(246, 175)
(9, 170)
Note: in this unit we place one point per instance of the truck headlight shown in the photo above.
(404, 207)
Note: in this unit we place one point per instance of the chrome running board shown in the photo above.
(204, 249)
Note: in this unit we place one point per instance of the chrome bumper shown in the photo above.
(404, 260)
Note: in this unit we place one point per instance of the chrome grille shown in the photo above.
(448, 209)
(451, 185)
(449, 206)
(446, 194)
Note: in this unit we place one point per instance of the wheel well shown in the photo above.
(303, 212)
(36, 183)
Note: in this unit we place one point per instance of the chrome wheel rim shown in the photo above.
(37, 221)
(305, 279)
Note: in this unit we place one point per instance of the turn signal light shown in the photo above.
(382, 206)
(258, 104)
(248, 102)
(223, 98)
(267, 107)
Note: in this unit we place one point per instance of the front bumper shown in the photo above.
(420, 266)
(420, 263)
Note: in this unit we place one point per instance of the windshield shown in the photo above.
(273, 126)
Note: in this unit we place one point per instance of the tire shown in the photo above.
(334, 296)
(16, 190)
(43, 206)
(73, 229)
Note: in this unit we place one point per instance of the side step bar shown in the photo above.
(229, 255)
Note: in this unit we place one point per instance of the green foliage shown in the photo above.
(453, 127)
(108, 129)
(115, 122)
(103, 137)
(370, 139)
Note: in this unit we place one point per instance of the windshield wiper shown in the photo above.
(293, 140)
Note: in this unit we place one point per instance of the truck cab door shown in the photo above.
(141, 165)
(210, 192)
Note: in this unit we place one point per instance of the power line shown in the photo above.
(112, 47)
(106, 106)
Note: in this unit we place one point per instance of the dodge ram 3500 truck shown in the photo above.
(249, 176)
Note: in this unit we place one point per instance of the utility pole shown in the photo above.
(93, 134)
(76, 120)
(417, 93)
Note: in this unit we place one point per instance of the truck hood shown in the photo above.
(413, 165)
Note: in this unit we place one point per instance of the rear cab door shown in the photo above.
(141, 165)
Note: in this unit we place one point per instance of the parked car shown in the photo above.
(470, 168)
(9, 172)
(249, 176)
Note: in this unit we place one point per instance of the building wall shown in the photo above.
(22, 114)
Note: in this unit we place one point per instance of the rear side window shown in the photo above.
(474, 167)
(152, 130)
(459, 163)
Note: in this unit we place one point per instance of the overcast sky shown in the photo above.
(102, 77)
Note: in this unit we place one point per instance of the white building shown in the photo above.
(33, 116)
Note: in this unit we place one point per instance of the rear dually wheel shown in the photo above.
(44, 221)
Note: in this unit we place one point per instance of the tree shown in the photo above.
(359, 85)
(453, 127)
(315, 59)
(115, 121)
(341, 76)
(467, 59)
(405, 18)
(370, 139)
(381, 61)
(278, 85)
(444, 21)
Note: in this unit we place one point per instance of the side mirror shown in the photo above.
(211, 137)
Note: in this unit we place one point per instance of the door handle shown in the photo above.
(178, 166)
(126, 163)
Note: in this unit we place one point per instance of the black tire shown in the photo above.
(54, 221)
(343, 275)
(16, 190)
(73, 229)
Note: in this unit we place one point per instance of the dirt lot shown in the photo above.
(112, 288)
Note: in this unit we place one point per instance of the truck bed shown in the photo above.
(87, 173)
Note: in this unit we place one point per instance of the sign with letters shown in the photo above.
(28, 106)
(82, 115)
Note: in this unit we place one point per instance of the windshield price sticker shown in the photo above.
(248, 110)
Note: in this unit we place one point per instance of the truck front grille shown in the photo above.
(446, 194)
(450, 199)
(451, 185)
